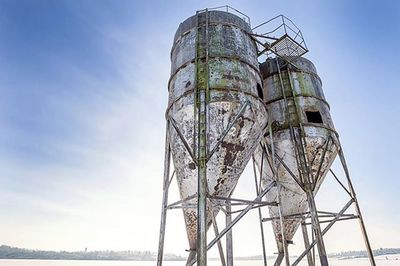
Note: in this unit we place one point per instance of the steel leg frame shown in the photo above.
(317, 235)
(166, 183)
(323, 232)
(238, 218)
(306, 242)
(316, 227)
(229, 237)
(271, 163)
(357, 207)
(258, 187)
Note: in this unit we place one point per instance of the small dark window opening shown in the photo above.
(314, 117)
(259, 91)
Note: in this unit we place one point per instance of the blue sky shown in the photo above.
(83, 90)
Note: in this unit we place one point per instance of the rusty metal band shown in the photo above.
(232, 58)
(300, 95)
(191, 91)
(211, 24)
(297, 70)
(305, 124)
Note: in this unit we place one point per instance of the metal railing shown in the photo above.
(280, 36)
(284, 26)
(231, 10)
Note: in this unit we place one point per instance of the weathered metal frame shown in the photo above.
(333, 217)
(229, 201)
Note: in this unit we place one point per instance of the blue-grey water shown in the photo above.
(381, 261)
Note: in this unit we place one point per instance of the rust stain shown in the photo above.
(232, 77)
(192, 166)
(231, 152)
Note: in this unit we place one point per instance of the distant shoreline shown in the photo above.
(7, 253)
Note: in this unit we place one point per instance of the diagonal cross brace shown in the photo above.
(183, 139)
(223, 135)
(238, 217)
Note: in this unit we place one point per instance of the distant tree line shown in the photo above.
(363, 253)
(7, 252)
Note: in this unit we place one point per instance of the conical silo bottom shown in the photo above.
(293, 198)
(232, 151)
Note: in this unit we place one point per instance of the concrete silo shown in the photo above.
(298, 111)
(300, 144)
(219, 96)
(215, 113)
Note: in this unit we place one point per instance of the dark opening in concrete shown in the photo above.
(314, 117)
(259, 91)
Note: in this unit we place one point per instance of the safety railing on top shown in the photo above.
(231, 10)
(282, 37)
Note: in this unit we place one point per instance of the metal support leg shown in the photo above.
(331, 223)
(216, 231)
(229, 240)
(307, 243)
(313, 248)
(284, 242)
(317, 229)
(240, 216)
(202, 193)
(357, 207)
(167, 159)
(279, 259)
(258, 185)
(202, 88)
(191, 258)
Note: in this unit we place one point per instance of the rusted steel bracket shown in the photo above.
(242, 201)
(176, 203)
(339, 219)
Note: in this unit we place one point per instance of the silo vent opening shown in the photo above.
(314, 117)
(259, 91)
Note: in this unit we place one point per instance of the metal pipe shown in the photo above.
(259, 210)
(202, 88)
(229, 237)
(357, 207)
(306, 242)
(317, 229)
(281, 219)
(167, 159)
(278, 188)
(216, 231)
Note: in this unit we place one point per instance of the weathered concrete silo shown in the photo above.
(304, 146)
(214, 107)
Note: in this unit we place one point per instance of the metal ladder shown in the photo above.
(201, 106)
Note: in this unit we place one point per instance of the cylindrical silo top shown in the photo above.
(215, 17)
(269, 67)
(223, 40)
